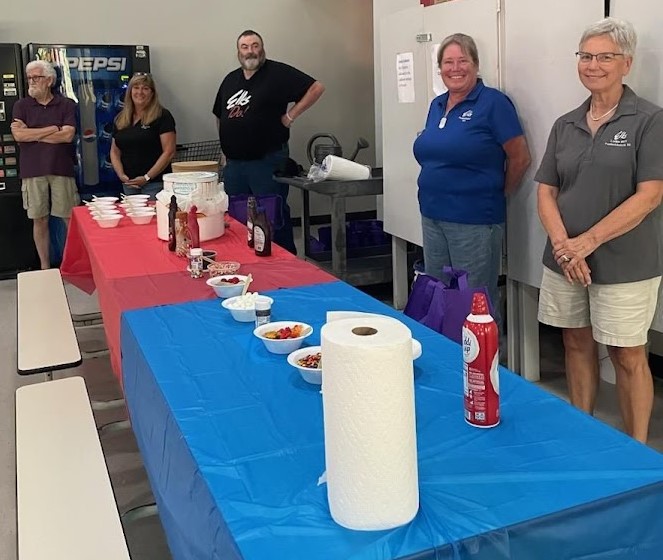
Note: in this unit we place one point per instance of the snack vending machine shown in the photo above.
(17, 248)
(96, 77)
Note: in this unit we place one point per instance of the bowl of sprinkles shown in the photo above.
(308, 361)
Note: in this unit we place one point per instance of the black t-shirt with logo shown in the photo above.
(140, 145)
(250, 110)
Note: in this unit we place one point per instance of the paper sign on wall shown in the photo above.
(438, 85)
(405, 76)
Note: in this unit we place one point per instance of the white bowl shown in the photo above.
(314, 375)
(242, 315)
(134, 202)
(416, 349)
(227, 290)
(141, 219)
(285, 345)
(107, 221)
(134, 205)
(222, 268)
(310, 375)
(136, 197)
(139, 215)
(101, 204)
(105, 212)
(105, 199)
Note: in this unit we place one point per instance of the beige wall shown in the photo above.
(192, 45)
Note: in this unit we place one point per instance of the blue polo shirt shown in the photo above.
(462, 159)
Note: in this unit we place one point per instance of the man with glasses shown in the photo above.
(254, 121)
(44, 125)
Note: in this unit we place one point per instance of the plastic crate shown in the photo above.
(358, 233)
(208, 150)
(237, 207)
(364, 238)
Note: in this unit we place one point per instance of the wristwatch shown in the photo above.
(146, 177)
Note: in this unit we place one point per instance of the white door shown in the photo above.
(541, 79)
(646, 77)
(401, 122)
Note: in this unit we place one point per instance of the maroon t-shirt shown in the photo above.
(41, 158)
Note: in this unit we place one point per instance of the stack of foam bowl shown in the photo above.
(135, 206)
(104, 211)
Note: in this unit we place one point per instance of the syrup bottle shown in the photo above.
(172, 234)
(262, 233)
(182, 236)
(250, 218)
(194, 230)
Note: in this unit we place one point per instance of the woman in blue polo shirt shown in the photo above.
(472, 152)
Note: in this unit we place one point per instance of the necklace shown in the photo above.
(591, 112)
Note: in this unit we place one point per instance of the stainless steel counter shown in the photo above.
(357, 271)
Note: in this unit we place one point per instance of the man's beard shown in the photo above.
(251, 62)
(36, 92)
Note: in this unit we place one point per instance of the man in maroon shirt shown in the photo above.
(44, 125)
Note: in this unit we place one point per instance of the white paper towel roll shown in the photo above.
(340, 169)
(338, 315)
(369, 421)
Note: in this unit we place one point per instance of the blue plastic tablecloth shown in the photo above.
(232, 439)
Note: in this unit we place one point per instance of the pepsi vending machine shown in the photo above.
(96, 77)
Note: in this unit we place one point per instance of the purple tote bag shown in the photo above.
(443, 304)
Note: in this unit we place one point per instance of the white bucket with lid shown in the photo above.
(192, 181)
(188, 186)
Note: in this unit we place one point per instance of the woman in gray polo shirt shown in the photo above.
(601, 183)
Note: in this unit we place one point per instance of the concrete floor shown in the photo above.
(146, 539)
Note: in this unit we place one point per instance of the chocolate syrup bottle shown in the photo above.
(262, 233)
(250, 218)
(172, 213)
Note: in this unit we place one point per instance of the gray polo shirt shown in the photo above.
(595, 175)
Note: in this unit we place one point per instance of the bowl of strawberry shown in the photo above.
(283, 337)
(228, 285)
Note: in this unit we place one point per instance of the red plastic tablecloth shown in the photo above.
(131, 268)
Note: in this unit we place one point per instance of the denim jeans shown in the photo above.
(256, 177)
(476, 249)
(151, 188)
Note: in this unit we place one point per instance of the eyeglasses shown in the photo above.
(35, 78)
(463, 62)
(601, 58)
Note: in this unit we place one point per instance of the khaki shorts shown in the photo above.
(620, 314)
(63, 196)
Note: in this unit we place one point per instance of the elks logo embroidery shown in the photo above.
(238, 104)
(466, 116)
(619, 140)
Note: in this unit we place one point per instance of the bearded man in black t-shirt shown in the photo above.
(254, 121)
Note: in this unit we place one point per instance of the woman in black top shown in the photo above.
(143, 139)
